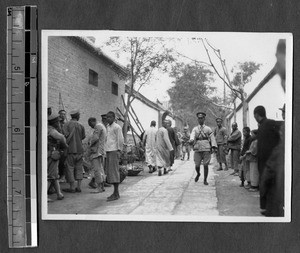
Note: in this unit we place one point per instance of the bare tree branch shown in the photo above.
(228, 83)
(196, 61)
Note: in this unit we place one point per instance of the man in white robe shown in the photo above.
(149, 139)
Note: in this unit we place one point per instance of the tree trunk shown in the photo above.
(234, 111)
(245, 106)
(126, 114)
(125, 127)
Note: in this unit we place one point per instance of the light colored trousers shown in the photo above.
(235, 156)
(97, 167)
(254, 175)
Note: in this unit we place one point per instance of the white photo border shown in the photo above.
(166, 218)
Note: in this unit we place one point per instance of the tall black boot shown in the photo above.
(197, 168)
(205, 174)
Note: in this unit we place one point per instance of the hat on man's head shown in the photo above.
(219, 119)
(186, 128)
(283, 108)
(53, 117)
(201, 114)
(74, 112)
(62, 110)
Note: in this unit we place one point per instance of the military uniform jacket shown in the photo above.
(221, 135)
(203, 137)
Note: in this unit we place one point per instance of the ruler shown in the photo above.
(21, 125)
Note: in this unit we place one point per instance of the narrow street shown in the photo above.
(175, 193)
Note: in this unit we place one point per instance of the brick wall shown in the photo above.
(68, 74)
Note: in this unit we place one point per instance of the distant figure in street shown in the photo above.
(149, 143)
(186, 149)
(245, 168)
(164, 147)
(221, 139)
(267, 138)
(234, 145)
(203, 141)
(55, 142)
(178, 143)
(113, 147)
(96, 151)
(251, 157)
(74, 133)
(173, 139)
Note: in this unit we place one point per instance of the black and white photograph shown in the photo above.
(166, 126)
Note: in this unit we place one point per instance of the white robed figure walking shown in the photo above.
(164, 149)
(149, 141)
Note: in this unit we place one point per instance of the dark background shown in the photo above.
(160, 15)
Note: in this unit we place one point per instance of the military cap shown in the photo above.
(219, 119)
(53, 117)
(62, 110)
(74, 112)
(201, 114)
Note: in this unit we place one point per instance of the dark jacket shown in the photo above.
(267, 138)
(246, 144)
(172, 136)
(234, 140)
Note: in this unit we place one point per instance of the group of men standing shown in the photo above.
(161, 146)
(256, 158)
(65, 150)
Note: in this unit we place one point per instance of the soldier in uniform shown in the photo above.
(221, 139)
(55, 141)
(185, 143)
(75, 133)
(203, 141)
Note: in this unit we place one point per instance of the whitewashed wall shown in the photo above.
(271, 96)
(144, 113)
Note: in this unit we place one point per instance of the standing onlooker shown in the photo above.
(55, 141)
(61, 165)
(149, 139)
(267, 138)
(62, 119)
(178, 143)
(221, 139)
(251, 156)
(74, 133)
(245, 168)
(96, 148)
(185, 143)
(204, 142)
(275, 164)
(234, 145)
(164, 148)
(113, 147)
(174, 140)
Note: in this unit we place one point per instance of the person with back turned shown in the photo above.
(267, 138)
(149, 139)
(75, 133)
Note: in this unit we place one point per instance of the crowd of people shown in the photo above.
(256, 156)
(66, 152)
